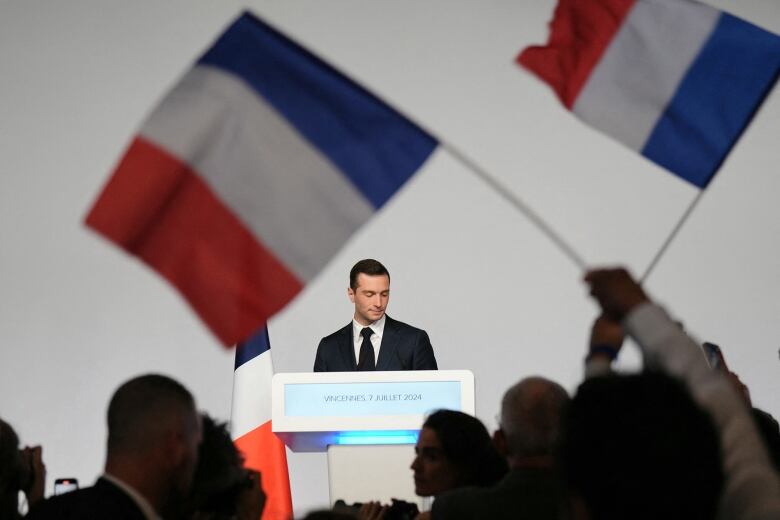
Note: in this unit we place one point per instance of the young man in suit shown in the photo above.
(373, 340)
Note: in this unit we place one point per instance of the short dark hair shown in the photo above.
(367, 266)
(140, 406)
(467, 444)
(638, 446)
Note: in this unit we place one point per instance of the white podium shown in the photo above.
(368, 423)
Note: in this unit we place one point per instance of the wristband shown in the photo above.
(604, 349)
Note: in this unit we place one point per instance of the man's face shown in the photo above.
(434, 473)
(370, 297)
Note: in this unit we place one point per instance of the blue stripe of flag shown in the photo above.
(716, 100)
(252, 347)
(373, 145)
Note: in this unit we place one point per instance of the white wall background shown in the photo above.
(77, 316)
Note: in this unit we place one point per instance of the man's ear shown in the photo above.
(499, 440)
(351, 294)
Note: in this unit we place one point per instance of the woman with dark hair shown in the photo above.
(222, 488)
(455, 450)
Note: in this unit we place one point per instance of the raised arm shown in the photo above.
(752, 488)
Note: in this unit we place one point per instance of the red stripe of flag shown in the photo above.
(580, 32)
(159, 209)
(264, 452)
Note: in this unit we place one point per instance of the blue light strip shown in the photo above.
(377, 437)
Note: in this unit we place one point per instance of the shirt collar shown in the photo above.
(143, 504)
(378, 327)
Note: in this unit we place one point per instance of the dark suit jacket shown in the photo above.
(532, 494)
(403, 347)
(102, 501)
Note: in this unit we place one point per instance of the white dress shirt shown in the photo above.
(376, 338)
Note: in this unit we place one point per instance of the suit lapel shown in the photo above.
(346, 347)
(387, 348)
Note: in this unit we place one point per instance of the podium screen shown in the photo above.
(367, 399)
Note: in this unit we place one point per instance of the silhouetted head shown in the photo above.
(530, 421)
(153, 426)
(11, 471)
(220, 477)
(638, 447)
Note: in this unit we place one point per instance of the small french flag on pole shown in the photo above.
(250, 424)
(675, 80)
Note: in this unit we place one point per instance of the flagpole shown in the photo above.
(490, 180)
(672, 236)
(518, 204)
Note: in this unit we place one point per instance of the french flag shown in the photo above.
(251, 173)
(675, 80)
(250, 424)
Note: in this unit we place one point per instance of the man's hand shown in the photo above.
(606, 332)
(36, 479)
(372, 511)
(615, 290)
(739, 386)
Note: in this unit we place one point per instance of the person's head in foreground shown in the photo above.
(530, 422)
(10, 471)
(637, 446)
(154, 431)
(454, 450)
(222, 487)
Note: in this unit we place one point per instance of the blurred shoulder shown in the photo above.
(103, 500)
(458, 503)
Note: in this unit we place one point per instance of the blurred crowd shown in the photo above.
(678, 440)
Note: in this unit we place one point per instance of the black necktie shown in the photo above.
(366, 361)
